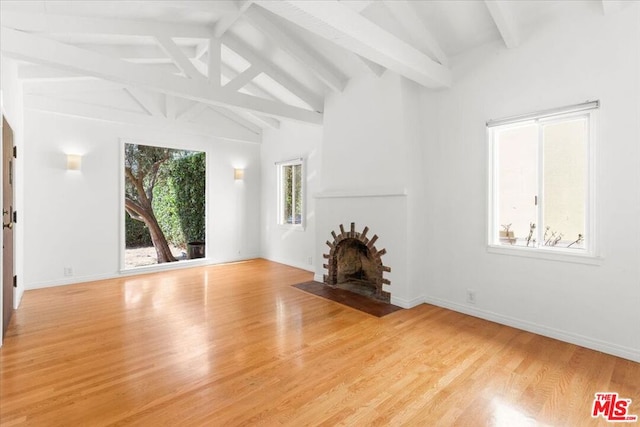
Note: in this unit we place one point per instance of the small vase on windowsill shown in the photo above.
(507, 237)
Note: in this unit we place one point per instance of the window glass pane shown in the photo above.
(297, 184)
(290, 198)
(565, 182)
(517, 154)
(287, 193)
(164, 197)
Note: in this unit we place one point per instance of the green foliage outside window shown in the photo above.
(179, 201)
(188, 181)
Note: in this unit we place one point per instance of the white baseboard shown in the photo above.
(406, 303)
(132, 272)
(318, 278)
(581, 340)
(70, 281)
(290, 263)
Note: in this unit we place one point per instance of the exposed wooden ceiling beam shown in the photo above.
(39, 73)
(339, 24)
(61, 24)
(140, 54)
(179, 58)
(58, 24)
(230, 74)
(376, 69)
(243, 78)
(276, 73)
(36, 72)
(214, 61)
(406, 15)
(64, 107)
(304, 54)
(64, 87)
(501, 14)
(30, 48)
(250, 87)
(229, 19)
(208, 6)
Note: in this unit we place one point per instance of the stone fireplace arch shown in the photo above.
(355, 264)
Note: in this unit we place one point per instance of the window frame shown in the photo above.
(590, 254)
(280, 194)
(122, 221)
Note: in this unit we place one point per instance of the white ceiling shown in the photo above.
(277, 60)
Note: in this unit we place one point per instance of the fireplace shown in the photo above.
(354, 264)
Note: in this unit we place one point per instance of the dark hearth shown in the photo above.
(359, 302)
(354, 264)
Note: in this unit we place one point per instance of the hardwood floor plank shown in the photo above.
(237, 345)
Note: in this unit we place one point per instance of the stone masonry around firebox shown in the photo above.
(355, 264)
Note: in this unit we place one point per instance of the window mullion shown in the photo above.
(540, 199)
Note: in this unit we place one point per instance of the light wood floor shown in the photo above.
(237, 345)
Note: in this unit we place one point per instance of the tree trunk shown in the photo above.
(157, 236)
(159, 242)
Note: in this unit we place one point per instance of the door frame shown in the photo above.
(1, 234)
(4, 121)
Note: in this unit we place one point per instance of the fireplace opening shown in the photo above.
(355, 264)
(356, 270)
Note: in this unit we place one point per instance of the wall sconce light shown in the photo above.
(74, 162)
(238, 174)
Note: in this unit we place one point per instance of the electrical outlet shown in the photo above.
(68, 272)
(471, 296)
(310, 260)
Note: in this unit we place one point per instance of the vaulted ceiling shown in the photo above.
(233, 68)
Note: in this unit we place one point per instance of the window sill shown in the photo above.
(186, 263)
(546, 254)
(292, 227)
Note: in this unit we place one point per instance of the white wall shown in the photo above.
(74, 219)
(363, 144)
(582, 58)
(279, 243)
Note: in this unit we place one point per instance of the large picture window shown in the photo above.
(164, 205)
(541, 179)
(291, 193)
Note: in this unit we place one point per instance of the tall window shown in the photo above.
(291, 193)
(164, 205)
(541, 181)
